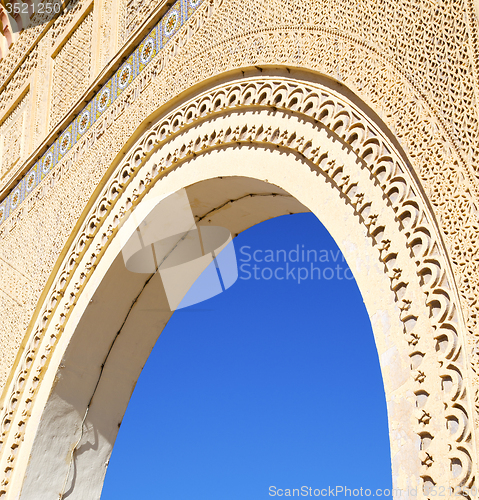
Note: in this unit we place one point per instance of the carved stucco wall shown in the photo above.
(132, 14)
(71, 70)
(414, 63)
(387, 202)
(12, 134)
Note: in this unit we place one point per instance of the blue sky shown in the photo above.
(271, 385)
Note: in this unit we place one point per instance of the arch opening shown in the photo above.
(104, 357)
(325, 156)
(257, 387)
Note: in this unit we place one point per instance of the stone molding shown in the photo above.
(430, 107)
(387, 169)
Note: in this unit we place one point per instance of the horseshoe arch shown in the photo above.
(248, 149)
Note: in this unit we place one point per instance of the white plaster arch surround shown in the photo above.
(295, 146)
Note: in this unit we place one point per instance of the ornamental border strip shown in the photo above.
(153, 43)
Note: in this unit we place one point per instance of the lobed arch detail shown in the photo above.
(277, 114)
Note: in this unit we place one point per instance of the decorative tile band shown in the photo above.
(144, 53)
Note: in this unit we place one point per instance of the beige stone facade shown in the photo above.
(364, 113)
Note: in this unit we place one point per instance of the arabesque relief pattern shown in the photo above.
(18, 81)
(64, 21)
(12, 134)
(29, 55)
(24, 43)
(133, 13)
(72, 70)
(28, 38)
(107, 28)
(415, 64)
(388, 172)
